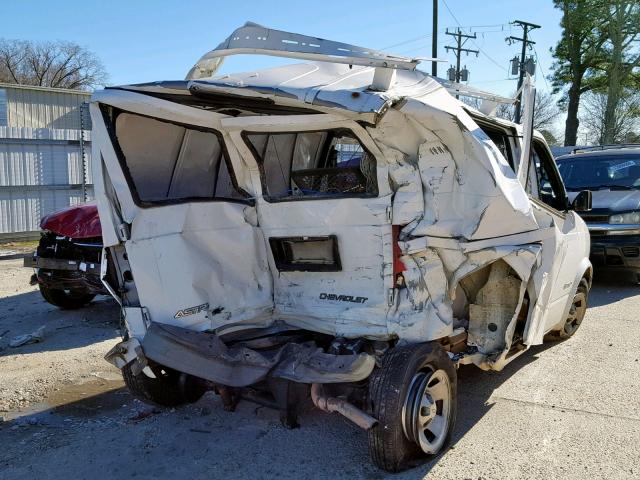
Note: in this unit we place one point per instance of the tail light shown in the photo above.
(398, 266)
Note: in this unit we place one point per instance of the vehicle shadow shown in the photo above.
(207, 442)
(475, 388)
(25, 313)
(611, 287)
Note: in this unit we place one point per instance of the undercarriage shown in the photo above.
(67, 271)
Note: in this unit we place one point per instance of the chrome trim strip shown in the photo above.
(614, 229)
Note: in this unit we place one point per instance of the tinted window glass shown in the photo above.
(172, 162)
(601, 171)
(550, 189)
(329, 163)
(502, 142)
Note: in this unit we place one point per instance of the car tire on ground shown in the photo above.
(413, 395)
(169, 389)
(576, 313)
(65, 299)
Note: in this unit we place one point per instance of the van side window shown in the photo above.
(502, 141)
(329, 163)
(168, 162)
(549, 185)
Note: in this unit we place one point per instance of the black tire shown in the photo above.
(67, 300)
(169, 389)
(576, 314)
(389, 386)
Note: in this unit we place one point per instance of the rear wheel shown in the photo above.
(66, 299)
(576, 314)
(413, 395)
(169, 389)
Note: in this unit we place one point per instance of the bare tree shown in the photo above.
(545, 113)
(473, 102)
(50, 64)
(622, 127)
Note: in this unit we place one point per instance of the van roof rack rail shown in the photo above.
(467, 91)
(256, 39)
(610, 146)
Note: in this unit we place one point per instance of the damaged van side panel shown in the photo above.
(294, 242)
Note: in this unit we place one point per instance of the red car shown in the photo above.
(67, 261)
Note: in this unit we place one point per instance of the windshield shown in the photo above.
(606, 171)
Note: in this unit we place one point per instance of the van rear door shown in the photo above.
(324, 210)
(197, 258)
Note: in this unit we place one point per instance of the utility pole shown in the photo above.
(461, 39)
(526, 27)
(434, 41)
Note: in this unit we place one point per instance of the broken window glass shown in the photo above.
(502, 142)
(549, 189)
(169, 162)
(331, 163)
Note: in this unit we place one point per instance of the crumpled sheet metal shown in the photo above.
(205, 355)
(454, 193)
(469, 189)
(422, 309)
(172, 247)
(462, 209)
(77, 221)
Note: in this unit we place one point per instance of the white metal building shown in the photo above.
(45, 155)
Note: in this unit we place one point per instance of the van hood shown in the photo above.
(613, 201)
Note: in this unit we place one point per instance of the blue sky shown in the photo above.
(143, 40)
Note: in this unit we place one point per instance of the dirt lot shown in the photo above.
(565, 410)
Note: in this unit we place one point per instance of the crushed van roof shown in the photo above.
(317, 84)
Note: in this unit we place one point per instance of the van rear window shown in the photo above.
(329, 163)
(168, 162)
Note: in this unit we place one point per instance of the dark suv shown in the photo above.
(612, 174)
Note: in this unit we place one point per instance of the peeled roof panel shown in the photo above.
(320, 84)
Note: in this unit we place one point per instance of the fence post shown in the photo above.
(83, 155)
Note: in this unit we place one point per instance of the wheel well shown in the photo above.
(588, 276)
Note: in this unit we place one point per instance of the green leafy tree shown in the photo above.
(578, 55)
(622, 29)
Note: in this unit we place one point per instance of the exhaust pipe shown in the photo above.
(333, 404)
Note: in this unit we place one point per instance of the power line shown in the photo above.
(473, 41)
(411, 40)
(422, 47)
(443, 30)
(451, 13)
(501, 67)
(484, 26)
(542, 68)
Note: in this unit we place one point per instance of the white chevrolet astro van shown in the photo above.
(342, 230)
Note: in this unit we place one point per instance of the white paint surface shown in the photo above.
(460, 205)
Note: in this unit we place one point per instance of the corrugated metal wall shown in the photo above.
(41, 159)
(36, 107)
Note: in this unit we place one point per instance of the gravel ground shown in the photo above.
(563, 410)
